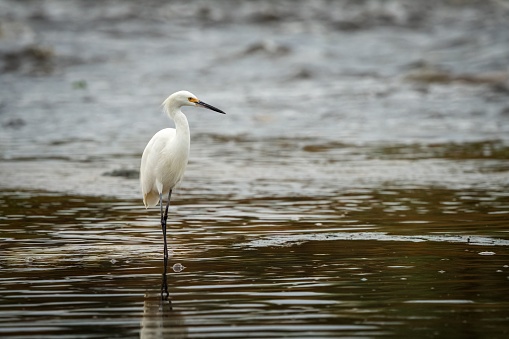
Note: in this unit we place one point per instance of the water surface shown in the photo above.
(357, 186)
(381, 263)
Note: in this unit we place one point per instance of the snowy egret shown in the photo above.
(164, 159)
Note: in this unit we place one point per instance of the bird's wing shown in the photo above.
(149, 159)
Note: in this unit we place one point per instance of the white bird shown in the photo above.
(164, 159)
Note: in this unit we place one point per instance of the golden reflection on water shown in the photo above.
(364, 263)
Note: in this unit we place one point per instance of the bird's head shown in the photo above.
(185, 98)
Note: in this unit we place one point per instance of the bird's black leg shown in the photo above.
(164, 218)
(167, 206)
(163, 226)
(164, 283)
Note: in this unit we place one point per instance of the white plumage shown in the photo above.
(165, 157)
(163, 163)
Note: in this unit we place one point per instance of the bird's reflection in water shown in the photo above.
(165, 295)
(160, 320)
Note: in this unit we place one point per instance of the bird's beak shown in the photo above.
(205, 105)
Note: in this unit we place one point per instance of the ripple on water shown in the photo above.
(333, 271)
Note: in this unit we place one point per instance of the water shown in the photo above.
(370, 264)
(356, 187)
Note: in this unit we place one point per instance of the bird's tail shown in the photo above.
(150, 199)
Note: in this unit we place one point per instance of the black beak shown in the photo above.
(202, 104)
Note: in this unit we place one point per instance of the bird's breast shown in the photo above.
(173, 164)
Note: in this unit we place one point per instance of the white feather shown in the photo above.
(165, 157)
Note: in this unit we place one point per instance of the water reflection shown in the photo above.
(363, 263)
(160, 320)
(165, 295)
(373, 204)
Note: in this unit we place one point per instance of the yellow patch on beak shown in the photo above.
(194, 100)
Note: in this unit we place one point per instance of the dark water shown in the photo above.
(358, 185)
(388, 262)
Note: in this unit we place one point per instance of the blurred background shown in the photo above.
(358, 185)
(308, 86)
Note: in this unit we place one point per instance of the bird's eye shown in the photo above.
(190, 99)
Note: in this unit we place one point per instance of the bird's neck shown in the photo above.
(182, 140)
(181, 124)
(183, 135)
(174, 112)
